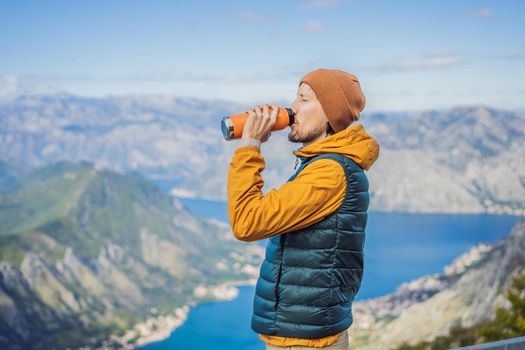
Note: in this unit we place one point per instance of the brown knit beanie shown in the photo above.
(340, 95)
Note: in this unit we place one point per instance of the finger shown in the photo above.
(249, 120)
(248, 124)
(258, 111)
(266, 112)
(275, 112)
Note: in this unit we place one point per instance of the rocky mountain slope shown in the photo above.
(466, 293)
(86, 253)
(465, 159)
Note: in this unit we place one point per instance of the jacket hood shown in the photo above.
(353, 142)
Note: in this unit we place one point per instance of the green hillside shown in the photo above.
(92, 252)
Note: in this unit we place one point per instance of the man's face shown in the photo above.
(310, 119)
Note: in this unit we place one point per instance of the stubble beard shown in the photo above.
(296, 137)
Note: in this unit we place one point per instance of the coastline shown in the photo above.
(158, 328)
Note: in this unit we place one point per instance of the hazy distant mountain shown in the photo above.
(9, 178)
(467, 293)
(85, 253)
(466, 159)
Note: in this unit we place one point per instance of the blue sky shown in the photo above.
(408, 55)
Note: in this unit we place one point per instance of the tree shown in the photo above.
(509, 323)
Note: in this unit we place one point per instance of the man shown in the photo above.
(316, 221)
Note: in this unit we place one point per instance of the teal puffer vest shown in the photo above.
(309, 277)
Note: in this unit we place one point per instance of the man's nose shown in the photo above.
(294, 108)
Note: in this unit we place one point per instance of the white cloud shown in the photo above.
(182, 193)
(9, 85)
(314, 27)
(484, 13)
(505, 57)
(166, 76)
(247, 17)
(431, 62)
(152, 77)
(423, 63)
(322, 3)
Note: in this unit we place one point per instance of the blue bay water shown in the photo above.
(399, 247)
(216, 325)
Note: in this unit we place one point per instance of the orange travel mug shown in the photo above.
(233, 125)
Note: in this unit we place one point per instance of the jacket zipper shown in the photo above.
(282, 238)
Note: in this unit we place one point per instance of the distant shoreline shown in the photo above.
(159, 328)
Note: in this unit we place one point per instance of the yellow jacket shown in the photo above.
(315, 193)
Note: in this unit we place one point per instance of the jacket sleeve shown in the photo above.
(315, 193)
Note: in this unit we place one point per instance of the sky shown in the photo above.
(408, 55)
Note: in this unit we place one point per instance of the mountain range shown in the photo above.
(87, 254)
(466, 159)
(465, 294)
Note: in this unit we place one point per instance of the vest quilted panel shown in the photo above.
(309, 277)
